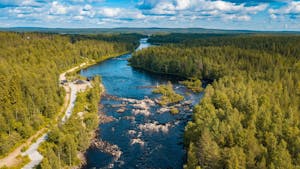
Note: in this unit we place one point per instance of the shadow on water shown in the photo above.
(146, 134)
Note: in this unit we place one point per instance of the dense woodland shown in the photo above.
(30, 64)
(287, 45)
(67, 141)
(249, 115)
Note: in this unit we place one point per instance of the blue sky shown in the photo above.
(217, 14)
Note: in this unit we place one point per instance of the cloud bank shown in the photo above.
(147, 13)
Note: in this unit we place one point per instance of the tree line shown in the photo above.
(249, 115)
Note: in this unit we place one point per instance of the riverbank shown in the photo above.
(93, 133)
(94, 62)
(176, 76)
(71, 93)
(74, 137)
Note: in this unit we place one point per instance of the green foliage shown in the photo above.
(169, 96)
(66, 142)
(193, 84)
(131, 40)
(192, 161)
(249, 115)
(249, 131)
(30, 64)
(22, 161)
(174, 110)
(286, 45)
(180, 38)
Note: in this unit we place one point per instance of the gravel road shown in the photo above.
(35, 157)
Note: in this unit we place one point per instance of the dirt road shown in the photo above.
(34, 155)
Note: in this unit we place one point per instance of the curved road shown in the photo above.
(35, 157)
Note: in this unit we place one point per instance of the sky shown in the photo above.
(283, 15)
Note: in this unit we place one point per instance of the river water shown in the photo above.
(140, 134)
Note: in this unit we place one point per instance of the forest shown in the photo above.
(66, 142)
(284, 44)
(30, 64)
(249, 115)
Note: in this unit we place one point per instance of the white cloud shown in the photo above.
(19, 3)
(207, 8)
(273, 16)
(86, 1)
(78, 17)
(182, 4)
(10, 2)
(219, 5)
(81, 13)
(291, 9)
(120, 13)
(236, 17)
(87, 10)
(57, 8)
(255, 9)
(87, 7)
(28, 3)
(110, 12)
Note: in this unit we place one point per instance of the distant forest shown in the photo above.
(249, 115)
(29, 69)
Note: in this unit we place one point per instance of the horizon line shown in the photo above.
(217, 29)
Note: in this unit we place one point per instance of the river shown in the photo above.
(141, 133)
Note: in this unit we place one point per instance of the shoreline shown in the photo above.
(81, 155)
(159, 73)
(94, 62)
(178, 77)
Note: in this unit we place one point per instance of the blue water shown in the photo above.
(160, 149)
